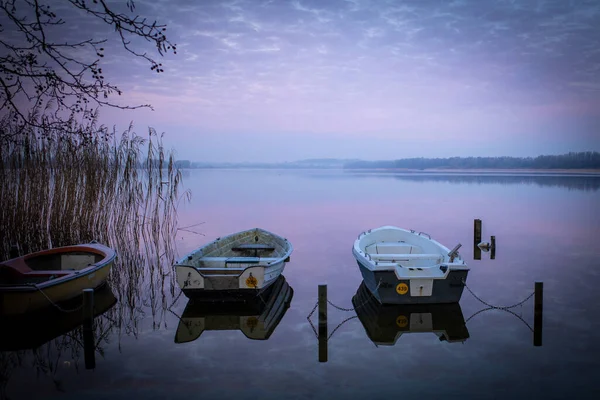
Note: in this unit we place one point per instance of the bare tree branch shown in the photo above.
(39, 75)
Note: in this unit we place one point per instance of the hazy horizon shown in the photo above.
(364, 159)
(377, 80)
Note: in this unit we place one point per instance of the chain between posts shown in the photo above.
(339, 325)
(501, 309)
(339, 308)
(497, 307)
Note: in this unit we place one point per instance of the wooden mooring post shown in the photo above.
(476, 239)
(322, 323)
(89, 351)
(537, 313)
(493, 247)
(14, 251)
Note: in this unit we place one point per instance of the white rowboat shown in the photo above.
(242, 263)
(401, 266)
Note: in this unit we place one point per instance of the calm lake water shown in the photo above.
(547, 229)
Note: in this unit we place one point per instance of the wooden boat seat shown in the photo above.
(406, 257)
(216, 262)
(242, 260)
(393, 248)
(17, 266)
(49, 273)
(253, 246)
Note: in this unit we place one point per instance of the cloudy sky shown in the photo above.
(283, 80)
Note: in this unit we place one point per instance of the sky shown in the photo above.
(274, 80)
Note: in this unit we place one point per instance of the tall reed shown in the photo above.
(121, 190)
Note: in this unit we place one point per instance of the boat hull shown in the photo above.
(384, 286)
(227, 287)
(21, 302)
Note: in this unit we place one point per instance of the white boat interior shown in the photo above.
(234, 253)
(411, 254)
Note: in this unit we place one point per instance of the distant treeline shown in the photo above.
(581, 160)
(571, 182)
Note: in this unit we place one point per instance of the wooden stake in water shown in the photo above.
(493, 247)
(537, 313)
(14, 251)
(89, 353)
(322, 323)
(476, 239)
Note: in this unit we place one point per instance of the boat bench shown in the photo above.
(406, 257)
(56, 273)
(392, 248)
(253, 246)
(222, 261)
(21, 269)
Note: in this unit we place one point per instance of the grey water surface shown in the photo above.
(547, 229)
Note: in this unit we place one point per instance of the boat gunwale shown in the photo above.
(236, 269)
(369, 263)
(289, 249)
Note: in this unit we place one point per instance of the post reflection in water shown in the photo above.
(257, 318)
(30, 331)
(52, 339)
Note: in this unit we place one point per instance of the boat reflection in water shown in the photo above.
(257, 318)
(32, 330)
(385, 324)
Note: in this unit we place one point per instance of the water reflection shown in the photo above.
(385, 324)
(586, 183)
(30, 331)
(257, 319)
(51, 340)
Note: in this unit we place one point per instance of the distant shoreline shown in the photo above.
(515, 171)
(427, 171)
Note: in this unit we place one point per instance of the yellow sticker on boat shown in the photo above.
(402, 288)
(401, 321)
(251, 281)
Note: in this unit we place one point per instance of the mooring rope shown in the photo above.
(59, 308)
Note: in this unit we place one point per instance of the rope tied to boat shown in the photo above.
(493, 306)
(59, 308)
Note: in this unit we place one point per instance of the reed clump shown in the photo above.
(58, 189)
